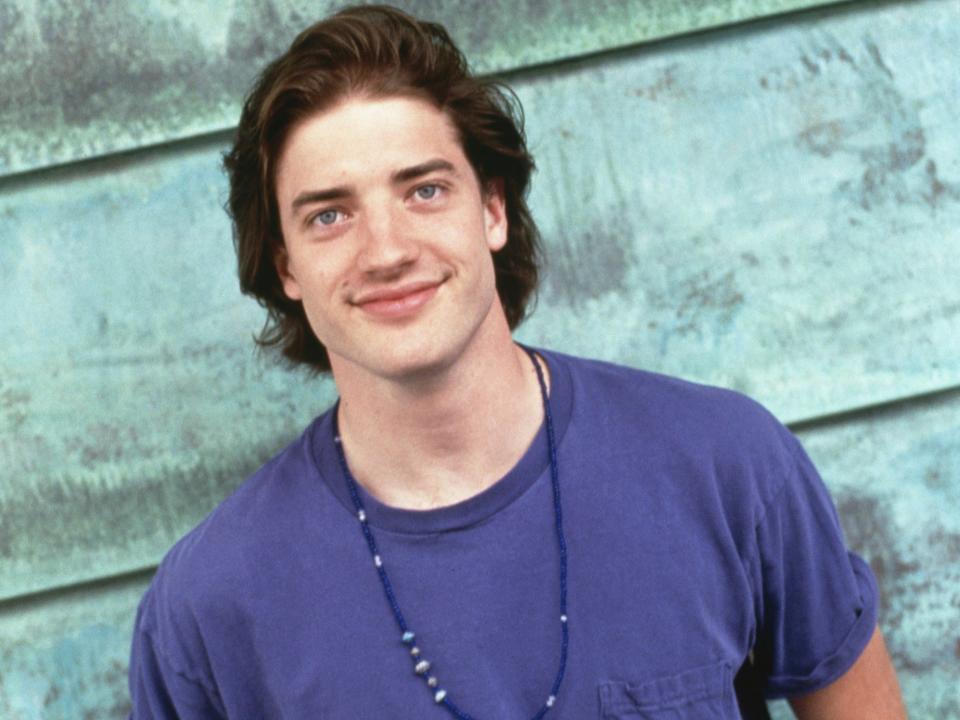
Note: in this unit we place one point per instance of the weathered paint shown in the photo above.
(65, 657)
(774, 209)
(821, 155)
(895, 474)
(896, 478)
(84, 79)
(130, 400)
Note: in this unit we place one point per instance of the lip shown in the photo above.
(398, 302)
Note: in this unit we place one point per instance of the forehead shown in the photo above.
(363, 137)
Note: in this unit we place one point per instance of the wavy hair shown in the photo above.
(376, 51)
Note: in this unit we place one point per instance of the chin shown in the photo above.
(414, 364)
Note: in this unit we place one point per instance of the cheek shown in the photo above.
(324, 289)
(488, 273)
(314, 272)
(322, 314)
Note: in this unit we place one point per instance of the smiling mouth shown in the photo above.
(398, 302)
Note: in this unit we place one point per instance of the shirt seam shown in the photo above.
(793, 473)
(754, 560)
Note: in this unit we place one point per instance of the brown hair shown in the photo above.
(376, 51)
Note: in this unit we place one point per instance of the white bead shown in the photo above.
(377, 561)
(421, 667)
(432, 681)
(440, 695)
(336, 439)
(415, 651)
(563, 618)
(551, 700)
(362, 515)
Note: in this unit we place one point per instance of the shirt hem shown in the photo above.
(840, 661)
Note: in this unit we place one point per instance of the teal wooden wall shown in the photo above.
(760, 194)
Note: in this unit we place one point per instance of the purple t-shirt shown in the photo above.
(697, 531)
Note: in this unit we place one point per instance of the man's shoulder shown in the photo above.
(698, 423)
(666, 397)
(218, 550)
(707, 456)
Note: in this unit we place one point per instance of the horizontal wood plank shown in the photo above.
(775, 209)
(65, 657)
(895, 475)
(700, 224)
(174, 70)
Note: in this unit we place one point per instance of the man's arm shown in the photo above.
(869, 689)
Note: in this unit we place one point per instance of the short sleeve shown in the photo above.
(158, 691)
(816, 603)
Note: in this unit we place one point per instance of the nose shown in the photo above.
(387, 241)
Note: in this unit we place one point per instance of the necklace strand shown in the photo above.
(407, 637)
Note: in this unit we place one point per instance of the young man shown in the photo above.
(477, 529)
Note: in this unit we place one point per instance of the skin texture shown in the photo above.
(388, 244)
(869, 689)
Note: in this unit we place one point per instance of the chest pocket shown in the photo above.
(704, 693)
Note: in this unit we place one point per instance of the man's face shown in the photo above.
(388, 236)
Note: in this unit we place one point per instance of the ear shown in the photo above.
(281, 261)
(495, 215)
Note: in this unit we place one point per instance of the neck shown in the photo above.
(445, 436)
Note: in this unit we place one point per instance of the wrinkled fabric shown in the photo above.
(697, 530)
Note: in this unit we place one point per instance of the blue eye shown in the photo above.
(427, 192)
(327, 217)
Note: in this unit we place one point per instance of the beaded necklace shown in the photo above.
(421, 666)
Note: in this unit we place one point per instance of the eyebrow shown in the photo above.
(407, 174)
(318, 196)
(399, 177)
